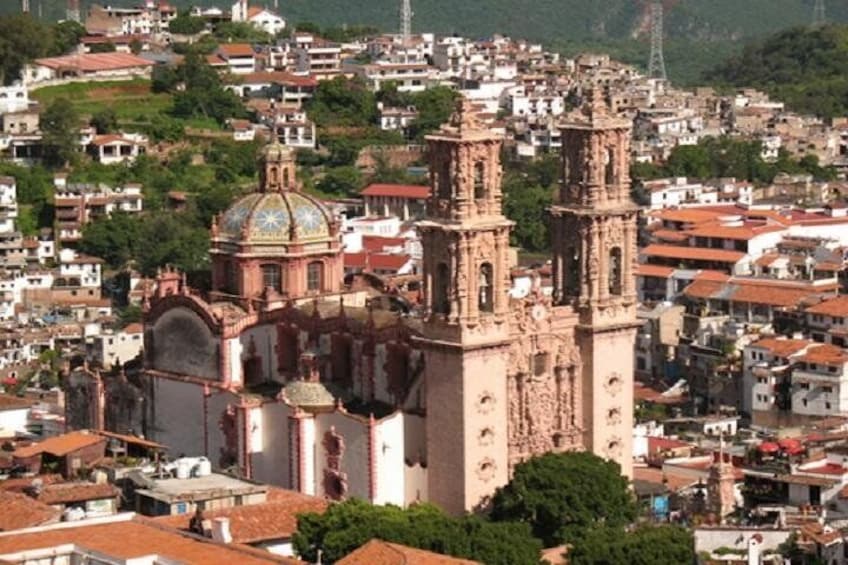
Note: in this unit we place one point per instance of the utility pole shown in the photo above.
(405, 19)
(73, 12)
(656, 66)
(819, 14)
(25, 6)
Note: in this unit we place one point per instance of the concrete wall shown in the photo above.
(182, 343)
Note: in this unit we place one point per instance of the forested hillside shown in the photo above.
(806, 68)
(699, 31)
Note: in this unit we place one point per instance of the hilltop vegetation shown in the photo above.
(806, 68)
(698, 32)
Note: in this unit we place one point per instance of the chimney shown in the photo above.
(221, 530)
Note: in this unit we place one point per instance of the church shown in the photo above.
(284, 375)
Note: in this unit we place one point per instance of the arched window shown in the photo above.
(486, 288)
(444, 181)
(479, 180)
(272, 277)
(571, 276)
(315, 276)
(610, 166)
(273, 176)
(441, 287)
(286, 179)
(615, 274)
(231, 277)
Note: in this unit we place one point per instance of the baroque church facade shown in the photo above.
(283, 375)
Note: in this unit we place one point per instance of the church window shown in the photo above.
(444, 182)
(441, 288)
(314, 275)
(615, 274)
(272, 277)
(273, 176)
(230, 277)
(486, 290)
(610, 166)
(572, 272)
(286, 179)
(540, 364)
(479, 181)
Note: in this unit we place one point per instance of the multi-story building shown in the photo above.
(77, 204)
(411, 77)
(820, 382)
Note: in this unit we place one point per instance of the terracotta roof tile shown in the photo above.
(60, 445)
(660, 271)
(9, 402)
(782, 347)
(254, 523)
(137, 537)
(826, 354)
(65, 493)
(695, 253)
(21, 511)
(836, 307)
(92, 62)
(236, 50)
(397, 191)
(379, 552)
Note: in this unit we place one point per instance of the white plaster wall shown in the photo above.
(355, 459)
(235, 352)
(12, 421)
(390, 461)
(309, 449)
(271, 462)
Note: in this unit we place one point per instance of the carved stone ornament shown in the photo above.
(613, 416)
(613, 447)
(486, 469)
(486, 437)
(614, 383)
(485, 402)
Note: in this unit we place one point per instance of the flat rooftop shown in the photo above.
(210, 486)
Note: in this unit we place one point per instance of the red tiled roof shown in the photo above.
(664, 443)
(278, 77)
(138, 537)
(134, 328)
(659, 271)
(696, 253)
(826, 354)
(131, 439)
(417, 192)
(236, 50)
(9, 402)
(60, 446)
(21, 511)
(836, 307)
(66, 493)
(674, 482)
(387, 261)
(376, 243)
(379, 552)
(254, 523)
(93, 62)
(781, 347)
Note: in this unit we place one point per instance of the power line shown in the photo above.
(819, 14)
(656, 66)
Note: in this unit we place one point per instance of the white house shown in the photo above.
(112, 348)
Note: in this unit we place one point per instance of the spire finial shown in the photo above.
(464, 116)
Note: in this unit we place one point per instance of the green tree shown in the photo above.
(204, 96)
(107, 47)
(116, 239)
(647, 545)
(341, 181)
(22, 39)
(241, 32)
(164, 78)
(66, 36)
(342, 102)
(60, 125)
(104, 120)
(565, 496)
(348, 525)
(130, 314)
(185, 24)
(136, 46)
(434, 107)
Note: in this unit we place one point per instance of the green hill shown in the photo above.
(806, 68)
(699, 31)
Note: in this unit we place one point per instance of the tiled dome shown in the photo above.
(268, 218)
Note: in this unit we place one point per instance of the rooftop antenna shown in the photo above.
(819, 14)
(656, 66)
(405, 19)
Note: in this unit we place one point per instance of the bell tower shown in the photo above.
(594, 240)
(466, 333)
(277, 168)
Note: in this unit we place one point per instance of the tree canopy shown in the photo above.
(647, 545)
(565, 496)
(350, 524)
(204, 95)
(60, 125)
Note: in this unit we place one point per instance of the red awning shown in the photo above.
(768, 447)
